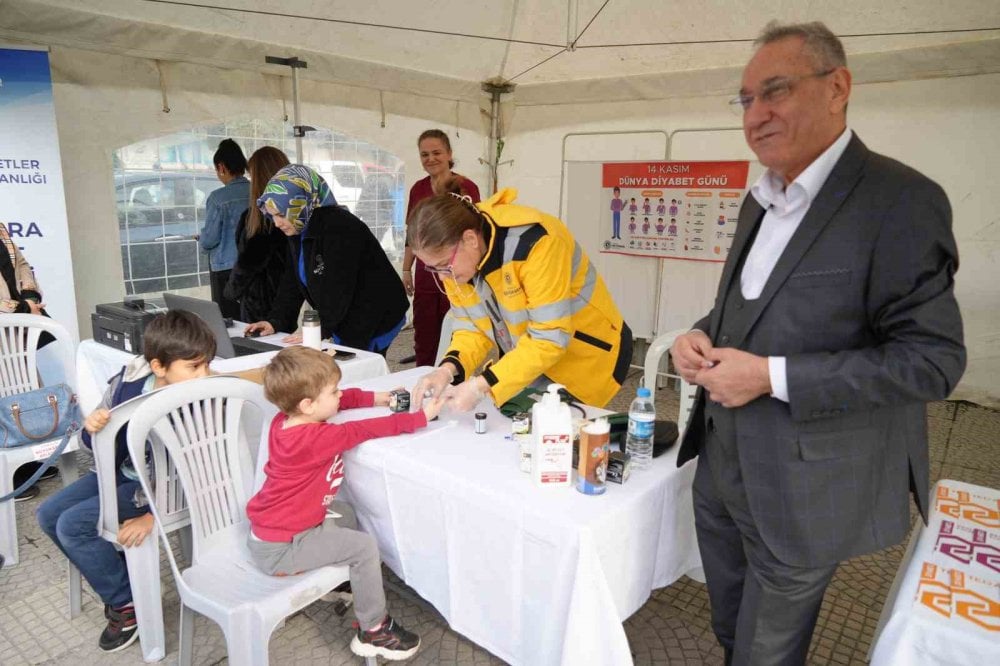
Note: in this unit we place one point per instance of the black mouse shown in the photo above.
(253, 334)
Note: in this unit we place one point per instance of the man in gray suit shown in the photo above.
(835, 322)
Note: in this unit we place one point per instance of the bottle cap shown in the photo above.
(552, 397)
(643, 392)
(310, 316)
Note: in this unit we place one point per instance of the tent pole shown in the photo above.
(494, 137)
(295, 114)
(496, 88)
(298, 130)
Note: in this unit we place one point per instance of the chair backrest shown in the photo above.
(103, 447)
(651, 369)
(201, 427)
(19, 355)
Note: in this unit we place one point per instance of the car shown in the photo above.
(159, 215)
(154, 205)
(345, 179)
(382, 205)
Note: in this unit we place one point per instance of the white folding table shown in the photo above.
(534, 575)
(944, 605)
(97, 363)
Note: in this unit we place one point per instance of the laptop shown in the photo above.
(226, 347)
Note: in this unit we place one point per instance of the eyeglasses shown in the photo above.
(447, 269)
(773, 91)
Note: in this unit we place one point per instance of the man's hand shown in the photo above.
(433, 383)
(690, 354)
(292, 339)
(735, 377)
(96, 420)
(135, 530)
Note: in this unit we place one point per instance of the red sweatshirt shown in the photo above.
(305, 466)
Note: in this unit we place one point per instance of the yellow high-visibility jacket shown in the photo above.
(538, 298)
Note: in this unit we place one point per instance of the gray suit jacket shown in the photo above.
(861, 304)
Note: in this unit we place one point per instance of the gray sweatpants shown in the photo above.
(335, 542)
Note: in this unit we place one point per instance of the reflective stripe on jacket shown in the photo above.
(539, 299)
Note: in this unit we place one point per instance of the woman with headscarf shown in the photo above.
(336, 264)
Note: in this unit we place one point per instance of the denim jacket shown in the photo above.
(223, 210)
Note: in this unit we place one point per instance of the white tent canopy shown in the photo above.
(555, 51)
(927, 92)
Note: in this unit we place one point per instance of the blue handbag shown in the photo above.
(38, 416)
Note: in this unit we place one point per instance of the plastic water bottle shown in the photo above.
(641, 424)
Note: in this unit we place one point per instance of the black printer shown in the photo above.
(121, 325)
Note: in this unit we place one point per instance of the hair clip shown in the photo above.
(463, 197)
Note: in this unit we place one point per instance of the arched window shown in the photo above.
(161, 186)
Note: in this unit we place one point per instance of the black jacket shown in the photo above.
(258, 270)
(349, 280)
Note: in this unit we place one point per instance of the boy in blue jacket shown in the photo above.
(177, 346)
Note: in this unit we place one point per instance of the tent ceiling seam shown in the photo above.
(167, 56)
(362, 24)
(694, 42)
(560, 52)
(510, 31)
(510, 40)
(592, 19)
(917, 76)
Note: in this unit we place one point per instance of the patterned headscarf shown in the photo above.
(293, 193)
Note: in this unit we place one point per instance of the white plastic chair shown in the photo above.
(19, 373)
(660, 346)
(200, 425)
(143, 561)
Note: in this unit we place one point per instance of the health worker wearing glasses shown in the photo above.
(518, 282)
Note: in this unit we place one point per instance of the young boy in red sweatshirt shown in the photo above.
(296, 521)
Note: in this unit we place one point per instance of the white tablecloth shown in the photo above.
(534, 575)
(944, 605)
(97, 363)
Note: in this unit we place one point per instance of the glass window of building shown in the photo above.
(162, 184)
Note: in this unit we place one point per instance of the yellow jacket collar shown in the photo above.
(505, 196)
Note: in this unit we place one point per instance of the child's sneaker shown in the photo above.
(389, 640)
(121, 629)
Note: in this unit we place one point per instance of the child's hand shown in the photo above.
(432, 406)
(96, 420)
(135, 530)
(382, 397)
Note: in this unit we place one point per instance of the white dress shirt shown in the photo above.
(785, 207)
